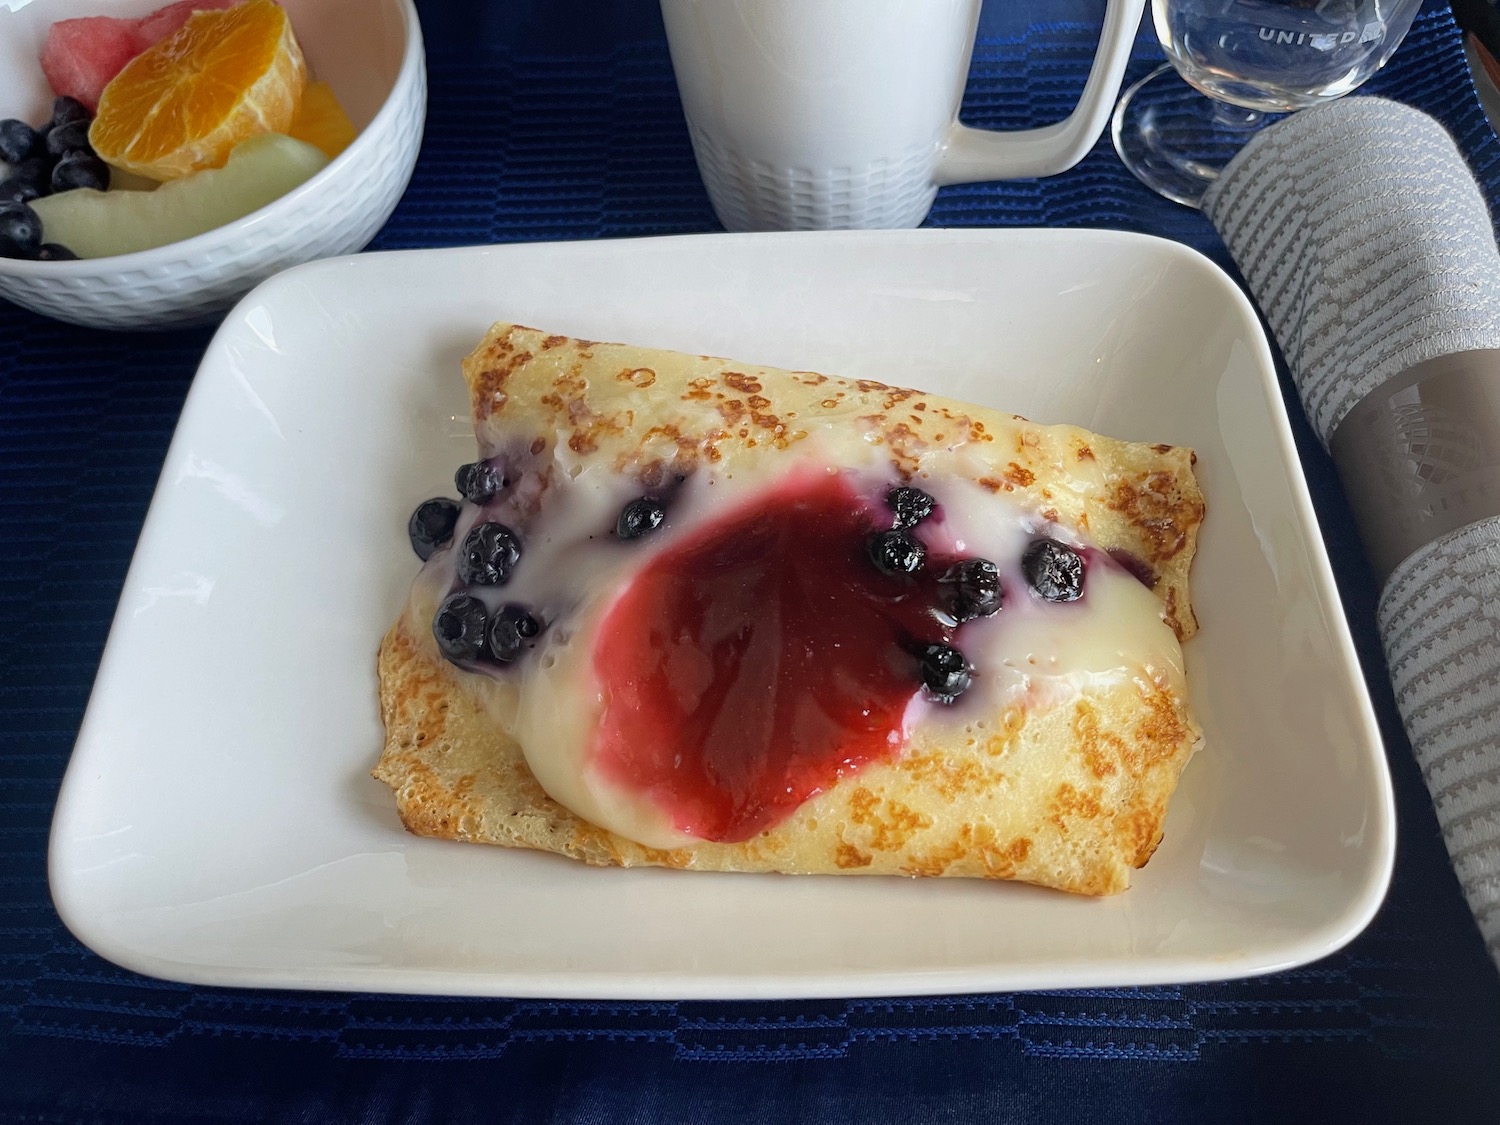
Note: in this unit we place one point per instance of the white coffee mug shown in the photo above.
(816, 114)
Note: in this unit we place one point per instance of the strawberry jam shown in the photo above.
(748, 667)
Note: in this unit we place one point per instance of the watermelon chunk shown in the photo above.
(152, 29)
(80, 56)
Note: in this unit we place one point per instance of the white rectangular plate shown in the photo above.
(218, 823)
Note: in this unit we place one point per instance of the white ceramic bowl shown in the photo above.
(369, 51)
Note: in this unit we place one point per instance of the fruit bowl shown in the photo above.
(369, 51)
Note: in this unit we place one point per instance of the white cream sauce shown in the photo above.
(1032, 653)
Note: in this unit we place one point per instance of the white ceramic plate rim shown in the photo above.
(72, 897)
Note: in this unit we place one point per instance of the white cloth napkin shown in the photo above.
(1369, 248)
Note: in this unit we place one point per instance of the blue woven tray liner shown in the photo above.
(579, 135)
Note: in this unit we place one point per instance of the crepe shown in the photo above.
(1063, 782)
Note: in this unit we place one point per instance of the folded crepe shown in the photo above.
(745, 678)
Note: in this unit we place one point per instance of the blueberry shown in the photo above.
(640, 517)
(478, 481)
(20, 231)
(54, 252)
(66, 110)
(911, 505)
(490, 552)
(459, 628)
(431, 525)
(72, 137)
(19, 189)
(897, 552)
(510, 629)
(80, 170)
(18, 140)
(973, 588)
(945, 672)
(1054, 571)
(36, 171)
(28, 180)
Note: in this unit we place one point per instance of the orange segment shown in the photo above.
(322, 122)
(183, 104)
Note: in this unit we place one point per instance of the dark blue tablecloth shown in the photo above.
(558, 121)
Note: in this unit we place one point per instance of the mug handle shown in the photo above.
(970, 155)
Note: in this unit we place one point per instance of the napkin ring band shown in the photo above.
(1419, 456)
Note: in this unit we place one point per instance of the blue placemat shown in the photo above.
(557, 121)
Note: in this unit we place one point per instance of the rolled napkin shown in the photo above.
(1369, 248)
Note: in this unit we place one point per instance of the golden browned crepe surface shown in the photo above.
(1066, 789)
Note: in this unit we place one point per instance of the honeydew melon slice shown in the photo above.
(98, 224)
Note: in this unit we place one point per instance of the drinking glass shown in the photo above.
(1235, 66)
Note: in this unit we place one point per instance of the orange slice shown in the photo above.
(183, 104)
(321, 121)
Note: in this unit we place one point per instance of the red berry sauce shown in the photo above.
(746, 668)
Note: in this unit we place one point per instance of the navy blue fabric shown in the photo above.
(560, 121)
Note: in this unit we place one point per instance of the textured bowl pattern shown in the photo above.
(338, 211)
